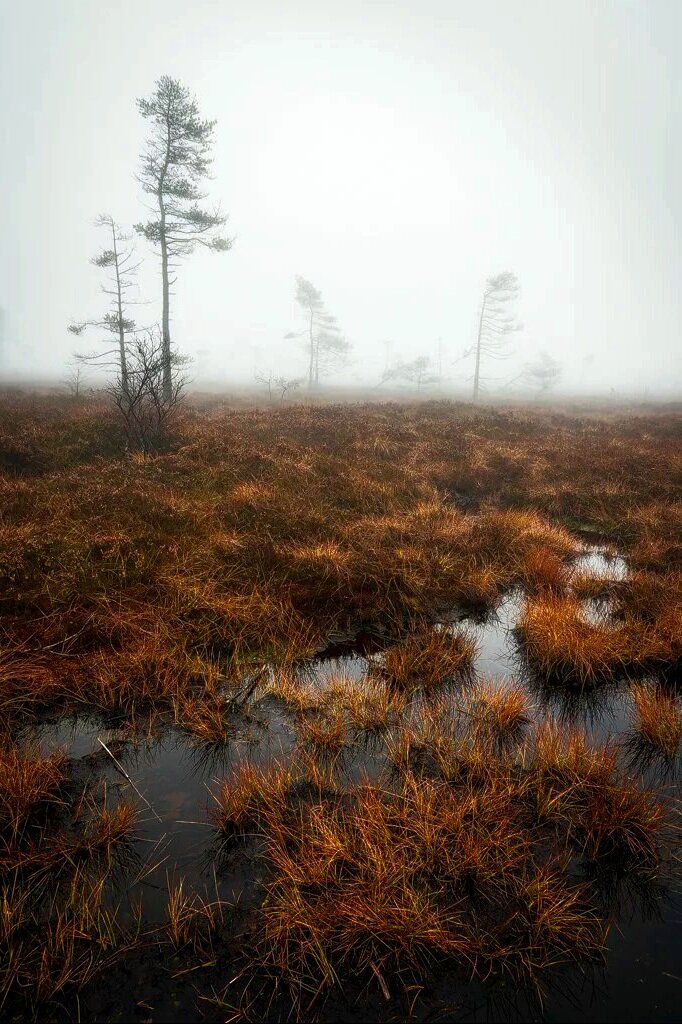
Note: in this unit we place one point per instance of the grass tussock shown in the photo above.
(389, 885)
(192, 923)
(206, 719)
(543, 570)
(428, 657)
(657, 718)
(325, 732)
(374, 707)
(608, 816)
(562, 644)
(249, 795)
(28, 785)
(297, 695)
(500, 714)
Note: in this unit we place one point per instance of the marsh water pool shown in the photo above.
(174, 780)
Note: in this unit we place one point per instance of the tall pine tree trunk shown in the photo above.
(165, 311)
(121, 326)
(312, 352)
(477, 371)
(165, 325)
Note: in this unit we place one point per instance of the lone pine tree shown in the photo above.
(175, 164)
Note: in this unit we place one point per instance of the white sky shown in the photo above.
(394, 153)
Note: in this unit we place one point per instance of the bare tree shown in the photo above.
(74, 382)
(144, 403)
(544, 373)
(117, 258)
(267, 382)
(175, 163)
(325, 344)
(496, 322)
(282, 384)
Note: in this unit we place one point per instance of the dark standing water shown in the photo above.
(643, 977)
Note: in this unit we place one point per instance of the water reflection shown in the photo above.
(602, 712)
(497, 656)
(601, 564)
(656, 766)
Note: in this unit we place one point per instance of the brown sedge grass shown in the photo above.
(259, 529)
(427, 657)
(657, 717)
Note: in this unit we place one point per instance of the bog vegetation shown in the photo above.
(191, 589)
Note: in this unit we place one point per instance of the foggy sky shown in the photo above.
(393, 153)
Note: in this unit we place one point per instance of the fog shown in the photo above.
(395, 154)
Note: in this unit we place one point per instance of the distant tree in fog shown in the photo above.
(332, 351)
(416, 372)
(496, 322)
(440, 360)
(544, 373)
(175, 164)
(326, 346)
(273, 382)
(118, 259)
(587, 361)
(74, 382)
(388, 353)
